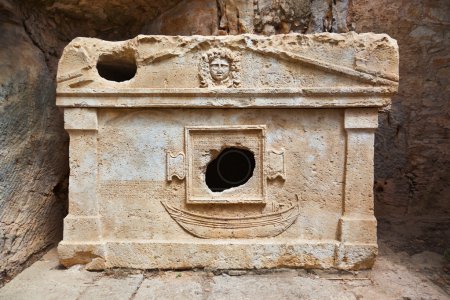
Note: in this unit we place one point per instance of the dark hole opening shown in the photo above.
(233, 167)
(116, 68)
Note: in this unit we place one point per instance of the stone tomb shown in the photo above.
(223, 152)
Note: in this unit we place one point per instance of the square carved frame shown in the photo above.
(204, 143)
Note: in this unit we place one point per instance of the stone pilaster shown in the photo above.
(82, 229)
(357, 226)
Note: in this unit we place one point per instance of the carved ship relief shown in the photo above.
(258, 226)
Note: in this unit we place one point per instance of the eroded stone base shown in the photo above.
(223, 254)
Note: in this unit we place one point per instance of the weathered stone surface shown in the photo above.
(394, 276)
(411, 183)
(112, 288)
(259, 16)
(186, 18)
(236, 16)
(47, 273)
(204, 17)
(413, 145)
(170, 164)
(105, 18)
(304, 16)
(172, 286)
(32, 149)
(282, 16)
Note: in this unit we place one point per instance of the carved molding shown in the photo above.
(276, 165)
(204, 143)
(325, 97)
(175, 166)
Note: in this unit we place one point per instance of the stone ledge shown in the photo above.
(216, 100)
(223, 254)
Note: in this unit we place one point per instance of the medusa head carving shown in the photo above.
(219, 68)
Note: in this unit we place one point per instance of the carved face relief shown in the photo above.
(219, 69)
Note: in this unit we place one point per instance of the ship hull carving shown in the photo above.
(257, 226)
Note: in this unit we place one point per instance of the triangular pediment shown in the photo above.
(280, 62)
(290, 64)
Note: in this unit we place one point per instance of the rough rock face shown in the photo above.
(33, 150)
(114, 19)
(199, 17)
(258, 16)
(413, 142)
(282, 16)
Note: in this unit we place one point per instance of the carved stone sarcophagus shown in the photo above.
(223, 152)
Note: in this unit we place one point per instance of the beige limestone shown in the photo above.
(223, 152)
(395, 275)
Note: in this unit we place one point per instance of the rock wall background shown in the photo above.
(412, 145)
(33, 149)
(413, 141)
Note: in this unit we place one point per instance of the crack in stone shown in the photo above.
(137, 288)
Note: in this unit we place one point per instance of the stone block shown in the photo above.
(232, 152)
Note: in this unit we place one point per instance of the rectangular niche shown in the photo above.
(225, 164)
